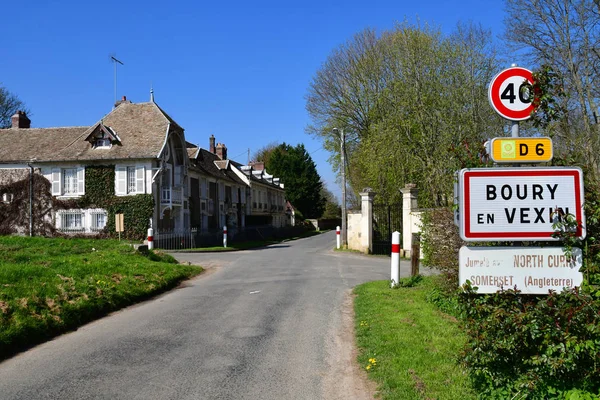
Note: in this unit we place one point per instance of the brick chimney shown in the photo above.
(20, 120)
(257, 165)
(211, 140)
(221, 151)
(123, 100)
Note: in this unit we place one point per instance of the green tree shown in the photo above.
(332, 207)
(411, 100)
(9, 105)
(299, 174)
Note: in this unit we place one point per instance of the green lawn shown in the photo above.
(49, 286)
(407, 345)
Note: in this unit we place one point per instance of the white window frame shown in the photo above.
(57, 176)
(102, 143)
(94, 214)
(122, 187)
(87, 217)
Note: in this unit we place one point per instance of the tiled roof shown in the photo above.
(205, 160)
(140, 126)
(254, 178)
(43, 144)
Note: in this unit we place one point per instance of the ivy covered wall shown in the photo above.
(99, 193)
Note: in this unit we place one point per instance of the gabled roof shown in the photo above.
(212, 165)
(141, 128)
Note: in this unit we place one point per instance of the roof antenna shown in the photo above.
(115, 61)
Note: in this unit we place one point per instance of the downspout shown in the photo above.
(30, 200)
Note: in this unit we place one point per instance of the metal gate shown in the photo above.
(387, 218)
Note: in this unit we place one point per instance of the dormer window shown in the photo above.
(102, 143)
(102, 137)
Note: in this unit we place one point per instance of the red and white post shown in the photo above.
(337, 237)
(225, 236)
(150, 238)
(395, 258)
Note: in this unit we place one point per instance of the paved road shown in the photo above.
(258, 325)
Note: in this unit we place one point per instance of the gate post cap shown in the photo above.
(367, 192)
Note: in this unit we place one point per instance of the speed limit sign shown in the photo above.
(509, 96)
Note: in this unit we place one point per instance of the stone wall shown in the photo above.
(354, 231)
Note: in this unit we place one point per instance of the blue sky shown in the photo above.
(238, 70)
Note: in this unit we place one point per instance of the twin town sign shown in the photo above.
(518, 203)
(506, 204)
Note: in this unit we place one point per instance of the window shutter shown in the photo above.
(81, 180)
(140, 179)
(58, 220)
(120, 180)
(56, 189)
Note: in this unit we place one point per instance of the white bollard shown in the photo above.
(337, 236)
(225, 236)
(150, 238)
(395, 258)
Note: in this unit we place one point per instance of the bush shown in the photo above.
(441, 242)
(523, 346)
(532, 346)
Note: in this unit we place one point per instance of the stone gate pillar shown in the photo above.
(366, 225)
(409, 204)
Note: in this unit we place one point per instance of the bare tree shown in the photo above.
(344, 93)
(9, 105)
(264, 153)
(565, 34)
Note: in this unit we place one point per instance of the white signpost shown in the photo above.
(532, 270)
(508, 96)
(507, 204)
(518, 203)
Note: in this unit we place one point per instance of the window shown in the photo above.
(102, 143)
(98, 220)
(70, 221)
(130, 180)
(203, 189)
(73, 221)
(67, 181)
(81, 221)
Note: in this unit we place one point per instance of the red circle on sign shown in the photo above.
(494, 94)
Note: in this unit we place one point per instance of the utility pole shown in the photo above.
(343, 171)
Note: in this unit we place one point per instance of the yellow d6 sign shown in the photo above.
(521, 150)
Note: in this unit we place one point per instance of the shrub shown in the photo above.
(441, 242)
(524, 346)
(534, 346)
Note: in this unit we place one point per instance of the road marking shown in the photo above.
(256, 291)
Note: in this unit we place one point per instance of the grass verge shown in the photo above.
(49, 286)
(407, 345)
